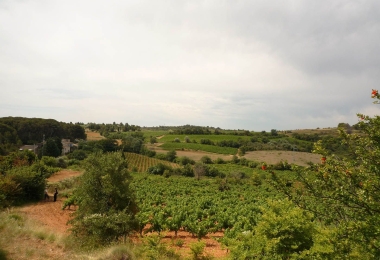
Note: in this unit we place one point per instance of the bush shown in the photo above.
(32, 184)
(252, 164)
(158, 169)
(282, 166)
(185, 160)
(77, 155)
(197, 249)
(219, 161)
(49, 161)
(188, 171)
(206, 160)
(147, 152)
(106, 203)
(207, 141)
(161, 156)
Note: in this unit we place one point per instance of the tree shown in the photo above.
(106, 203)
(344, 192)
(51, 148)
(171, 155)
(200, 169)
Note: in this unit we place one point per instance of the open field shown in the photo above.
(197, 138)
(272, 157)
(201, 147)
(93, 136)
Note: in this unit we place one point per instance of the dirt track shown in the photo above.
(49, 214)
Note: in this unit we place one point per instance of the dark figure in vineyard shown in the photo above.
(46, 195)
(55, 194)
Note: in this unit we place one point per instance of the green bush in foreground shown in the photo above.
(344, 193)
(106, 203)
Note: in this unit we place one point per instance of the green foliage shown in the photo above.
(154, 248)
(197, 249)
(49, 161)
(105, 145)
(153, 140)
(142, 163)
(51, 148)
(343, 192)
(282, 166)
(171, 155)
(283, 232)
(206, 159)
(106, 203)
(15, 131)
(30, 183)
(219, 161)
(132, 144)
(77, 155)
(185, 160)
(200, 147)
(158, 169)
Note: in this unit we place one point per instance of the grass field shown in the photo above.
(93, 136)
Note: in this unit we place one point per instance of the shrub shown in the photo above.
(161, 156)
(32, 184)
(158, 169)
(197, 249)
(219, 161)
(78, 155)
(49, 161)
(185, 160)
(106, 203)
(206, 159)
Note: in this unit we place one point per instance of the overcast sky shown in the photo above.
(254, 65)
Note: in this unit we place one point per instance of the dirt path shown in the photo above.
(49, 214)
(64, 174)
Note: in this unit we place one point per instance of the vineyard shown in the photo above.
(141, 163)
(203, 208)
(200, 207)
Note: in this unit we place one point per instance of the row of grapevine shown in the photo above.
(141, 163)
(198, 207)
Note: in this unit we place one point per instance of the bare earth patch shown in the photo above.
(63, 174)
(272, 157)
(93, 136)
(49, 214)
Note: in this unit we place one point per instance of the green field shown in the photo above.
(199, 147)
(154, 133)
(197, 138)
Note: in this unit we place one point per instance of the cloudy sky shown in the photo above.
(254, 65)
